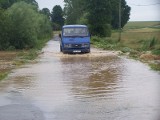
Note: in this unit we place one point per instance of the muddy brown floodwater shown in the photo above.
(95, 86)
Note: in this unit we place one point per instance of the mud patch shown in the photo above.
(7, 55)
(6, 63)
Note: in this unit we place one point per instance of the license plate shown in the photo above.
(76, 51)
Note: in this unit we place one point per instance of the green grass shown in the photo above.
(136, 38)
(142, 24)
(155, 66)
(3, 75)
(23, 56)
(156, 52)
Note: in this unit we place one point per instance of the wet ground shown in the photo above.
(95, 86)
(6, 60)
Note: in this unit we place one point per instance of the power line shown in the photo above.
(145, 4)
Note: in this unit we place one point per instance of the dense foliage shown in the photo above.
(22, 26)
(46, 12)
(8, 3)
(125, 13)
(100, 15)
(5, 24)
(73, 10)
(57, 17)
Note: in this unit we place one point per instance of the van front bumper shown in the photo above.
(73, 50)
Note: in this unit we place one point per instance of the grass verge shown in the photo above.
(155, 66)
(139, 40)
(19, 58)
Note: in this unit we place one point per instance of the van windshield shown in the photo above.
(75, 31)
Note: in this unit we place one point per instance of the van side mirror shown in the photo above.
(60, 35)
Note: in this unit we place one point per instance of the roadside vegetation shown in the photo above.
(24, 30)
(101, 16)
(139, 40)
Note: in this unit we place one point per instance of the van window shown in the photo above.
(75, 32)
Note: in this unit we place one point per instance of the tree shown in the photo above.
(99, 17)
(57, 16)
(8, 3)
(32, 2)
(74, 10)
(24, 25)
(4, 30)
(46, 12)
(21, 25)
(125, 13)
(27, 25)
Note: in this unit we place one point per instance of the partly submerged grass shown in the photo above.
(21, 57)
(155, 66)
(3, 75)
(136, 38)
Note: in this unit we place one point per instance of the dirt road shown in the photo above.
(95, 86)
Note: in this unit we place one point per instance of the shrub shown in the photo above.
(4, 30)
(23, 27)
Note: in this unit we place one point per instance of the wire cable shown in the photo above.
(145, 4)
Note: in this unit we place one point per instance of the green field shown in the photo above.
(136, 35)
(142, 24)
(137, 38)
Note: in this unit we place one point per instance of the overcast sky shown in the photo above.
(141, 10)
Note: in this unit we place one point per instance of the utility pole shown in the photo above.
(120, 21)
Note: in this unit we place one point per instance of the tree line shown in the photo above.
(22, 25)
(100, 15)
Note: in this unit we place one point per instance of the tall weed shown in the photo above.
(149, 44)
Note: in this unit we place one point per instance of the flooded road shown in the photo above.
(95, 86)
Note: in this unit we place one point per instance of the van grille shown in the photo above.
(76, 45)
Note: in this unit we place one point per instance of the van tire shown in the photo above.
(60, 48)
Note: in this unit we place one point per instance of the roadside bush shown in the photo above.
(104, 43)
(96, 39)
(23, 27)
(4, 30)
(56, 26)
(100, 30)
(24, 20)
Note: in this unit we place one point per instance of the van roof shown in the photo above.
(71, 26)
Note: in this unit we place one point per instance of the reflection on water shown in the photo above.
(85, 87)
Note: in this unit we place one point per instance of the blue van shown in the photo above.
(75, 39)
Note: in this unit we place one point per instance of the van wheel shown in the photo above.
(60, 48)
(89, 51)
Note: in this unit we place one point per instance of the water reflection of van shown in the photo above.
(75, 39)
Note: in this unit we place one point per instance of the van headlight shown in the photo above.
(67, 45)
(85, 45)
